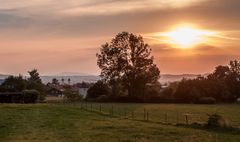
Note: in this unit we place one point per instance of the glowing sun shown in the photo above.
(186, 36)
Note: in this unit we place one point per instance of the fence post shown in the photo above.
(215, 138)
(100, 108)
(112, 110)
(177, 117)
(166, 117)
(144, 115)
(186, 118)
(147, 115)
(125, 112)
(132, 115)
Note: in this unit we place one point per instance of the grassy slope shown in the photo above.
(64, 123)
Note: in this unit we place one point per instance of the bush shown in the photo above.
(102, 98)
(30, 96)
(215, 120)
(100, 88)
(72, 96)
(207, 100)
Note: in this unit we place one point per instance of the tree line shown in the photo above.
(129, 74)
(23, 90)
(223, 85)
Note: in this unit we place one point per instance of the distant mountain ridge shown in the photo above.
(80, 77)
(73, 78)
(73, 74)
(165, 78)
(3, 76)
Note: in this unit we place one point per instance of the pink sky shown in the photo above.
(57, 36)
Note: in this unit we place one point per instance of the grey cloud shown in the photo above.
(213, 14)
(8, 20)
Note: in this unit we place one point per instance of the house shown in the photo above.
(54, 91)
(82, 88)
(83, 92)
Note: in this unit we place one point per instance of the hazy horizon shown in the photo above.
(56, 36)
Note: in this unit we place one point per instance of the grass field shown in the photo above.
(70, 123)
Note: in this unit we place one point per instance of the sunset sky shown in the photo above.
(57, 36)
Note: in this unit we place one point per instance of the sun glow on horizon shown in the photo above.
(186, 36)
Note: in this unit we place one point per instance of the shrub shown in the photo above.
(215, 120)
(207, 100)
(102, 98)
(72, 96)
(98, 89)
(30, 96)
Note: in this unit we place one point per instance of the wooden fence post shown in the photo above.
(125, 112)
(147, 115)
(132, 115)
(177, 117)
(144, 115)
(186, 118)
(112, 111)
(166, 117)
(100, 108)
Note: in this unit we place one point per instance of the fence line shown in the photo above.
(114, 111)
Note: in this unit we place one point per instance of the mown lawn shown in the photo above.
(69, 123)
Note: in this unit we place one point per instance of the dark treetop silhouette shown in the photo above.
(128, 59)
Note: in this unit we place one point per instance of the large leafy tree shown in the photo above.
(13, 84)
(35, 82)
(128, 59)
(233, 80)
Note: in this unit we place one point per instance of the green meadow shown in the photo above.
(114, 123)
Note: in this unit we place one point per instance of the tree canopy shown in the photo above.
(223, 85)
(35, 82)
(128, 59)
(13, 84)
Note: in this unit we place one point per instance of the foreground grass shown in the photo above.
(68, 123)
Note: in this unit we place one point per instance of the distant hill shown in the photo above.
(3, 76)
(73, 74)
(165, 78)
(74, 78)
(80, 77)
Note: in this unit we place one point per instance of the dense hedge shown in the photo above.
(30, 96)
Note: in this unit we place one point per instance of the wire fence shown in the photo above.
(144, 114)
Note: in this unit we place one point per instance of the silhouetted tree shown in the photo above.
(34, 76)
(98, 89)
(128, 59)
(221, 72)
(69, 81)
(55, 82)
(13, 84)
(233, 80)
(62, 80)
(35, 83)
(223, 85)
